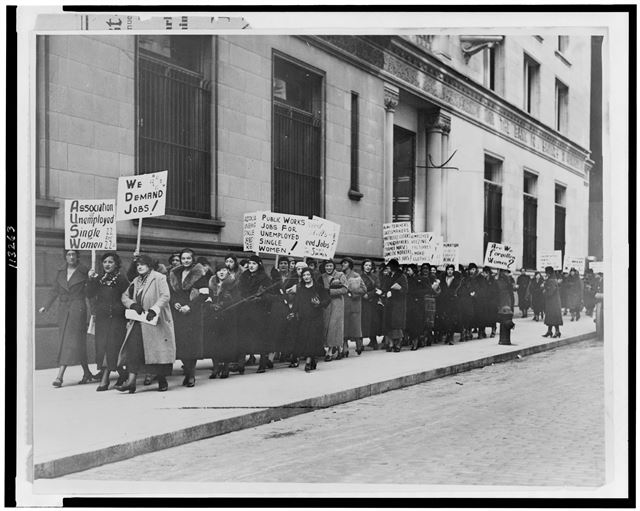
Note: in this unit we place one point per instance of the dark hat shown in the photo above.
(283, 259)
(203, 260)
(393, 264)
(231, 256)
(450, 266)
(348, 260)
(144, 259)
(487, 269)
(255, 258)
(549, 270)
(472, 265)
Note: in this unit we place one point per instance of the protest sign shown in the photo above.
(450, 254)
(597, 266)
(396, 239)
(280, 234)
(142, 196)
(574, 262)
(321, 238)
(549, 258)
(90, 224)
(500, 256)
(248, 230)
(426, 247)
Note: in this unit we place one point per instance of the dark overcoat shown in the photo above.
(395, 308)
(371, 313)
(415, 305)
(310, 319)
(574, 292)
(281, 332)
(253, 314)
(447, 303)
(504, 287)
(72, 315)
(589, 292)
(523, 288)
(111, 325)
(552, 305)
(487, 302)
(535, 295)
(220, 313)
(467, 293)
(189, 341)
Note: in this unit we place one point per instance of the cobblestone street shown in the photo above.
(535, 421)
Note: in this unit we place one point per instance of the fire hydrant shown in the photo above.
(505, 318)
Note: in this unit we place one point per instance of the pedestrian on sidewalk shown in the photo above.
(487, 303)
(561, 278)
(70, 291)
(522, 285)
(589, 292)
(432, 290)
(281, 330)
(536, 296)
(309, 303)
(574, 294)
(394, 292)
(448, 302)
(110, 323)
(415, 306)
(467, 301)
(352, 306)
(371, 310)
(336, 284)
(552, 303)
(146, 347)
(185, 282)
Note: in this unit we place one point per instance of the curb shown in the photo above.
(84, 461)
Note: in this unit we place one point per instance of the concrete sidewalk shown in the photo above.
(76, 428)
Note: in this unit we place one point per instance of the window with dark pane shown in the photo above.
(492, 201)
(297, 138)
(174, 118)
(530, 220)
(560, 218)
(404, 166)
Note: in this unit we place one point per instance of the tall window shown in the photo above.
(562, 106)
(354, 189)
(561, 214)
(530, 220)
(174, 125)
(297, 138)
(563, 43)
(404, 165)
(492, 200)
(531, 85)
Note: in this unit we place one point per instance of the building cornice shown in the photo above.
(404, 63)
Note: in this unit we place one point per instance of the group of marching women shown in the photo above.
(231, 312)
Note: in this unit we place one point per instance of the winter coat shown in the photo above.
(552, 305)
(159, 341)
(487, 302)
(189, 341)
(395, 306)
(523, 288)
(416, 290)
(574, 292)
(356, 288)
(281, 331)
(72, 315)
(310, 319)
(504, 286)
(467, 294)
(253, 314)
(589, 292)
(371, 317)
(447, 303)
(535, 295)
(111, 325)
(220, 328)
(336, 285)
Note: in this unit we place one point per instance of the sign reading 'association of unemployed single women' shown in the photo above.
(90, 224)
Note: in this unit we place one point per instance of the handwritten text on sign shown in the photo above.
(573, 262)
(597, 266)
(280, 234)
(321, 238)
(142, 196)
(248, 230)
(500, 256)
(549, 258)
(450, 254)
(396, 239)
(90, 224)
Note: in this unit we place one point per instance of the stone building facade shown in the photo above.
(351, 128)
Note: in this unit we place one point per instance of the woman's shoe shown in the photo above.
(128, 388)
(261, 369)
(307, 367)
(294, 363)
(327, 358)
(241, 370)
(191, 381)
(162, 384)
(548, 334)
(314, 364)
(57, 382)
(224, 373)
(269, 364)
(87, 378)
(102, 388)
(556, 335)
(147, 380)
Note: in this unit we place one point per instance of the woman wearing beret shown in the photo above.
(69, 290)
(552, 303)
(186, 281)
(149, 348)
(111, 326)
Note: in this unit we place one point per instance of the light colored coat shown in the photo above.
(356, 288)
(334, 313)
(159, 341)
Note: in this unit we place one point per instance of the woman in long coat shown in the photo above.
(69, 289)
(371, 313)
(148, 348)
(535, 296)
(310, 300)
(186, 281)
(281, 330)
(574, 294)
(467, 302)
(487, 303)
(415, 306)
(552, 303)
(352, 307)
(111, 325)
(523, 296)
(589, 292)
(394, 290)
(253, 314)
(448, 302)
(432, 291)
(336, 283)
(220, 322)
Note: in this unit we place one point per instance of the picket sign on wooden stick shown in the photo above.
(139, 234)
(277, 260)
(93, 260)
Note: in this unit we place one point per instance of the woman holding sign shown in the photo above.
(148, 347)
(69, 289)
(187, 282)
(111, 325)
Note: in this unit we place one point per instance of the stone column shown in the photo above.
(420, 199)
(391, 96)
(437, 123)
(446, 192)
